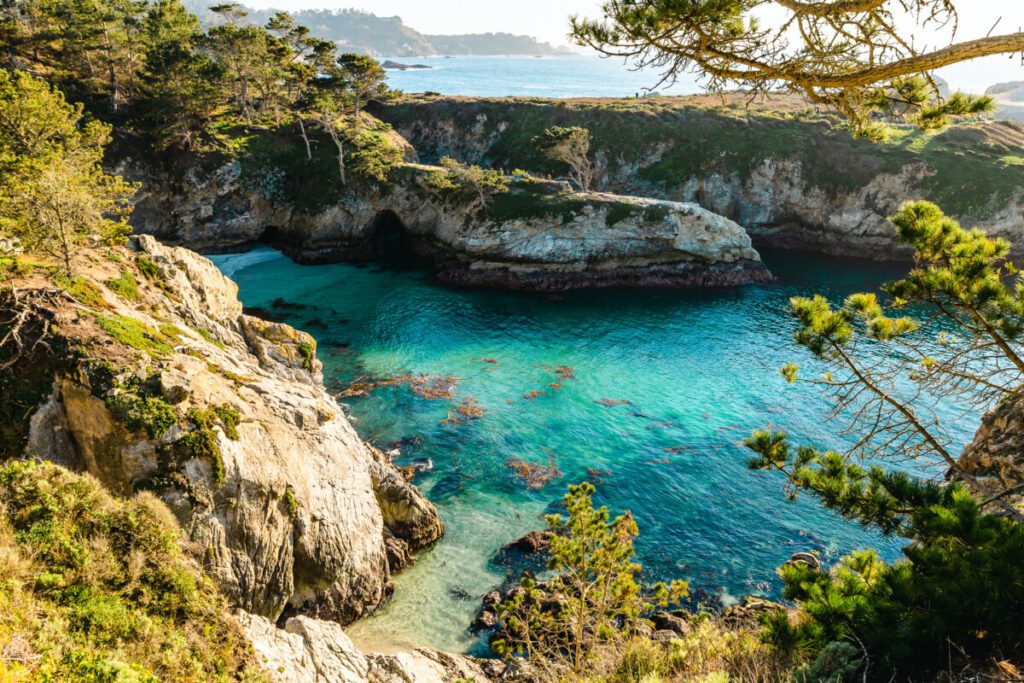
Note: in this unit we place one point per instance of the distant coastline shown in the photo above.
(367, 33)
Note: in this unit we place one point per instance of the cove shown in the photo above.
(664, 385)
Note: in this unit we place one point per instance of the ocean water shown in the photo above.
(522, 76)
(665, 385)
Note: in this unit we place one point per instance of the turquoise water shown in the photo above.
(556, 76)
(699, 372)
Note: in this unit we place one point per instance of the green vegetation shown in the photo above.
(596, 598)
(291, 502)
(571, 146)
(669, 144)
(202, 444)
(202, 441)
(308, 352)
(827, 52)
(81, 289)
(126, 286)
(140, 407)
(98, 589)
(208, 336)
(147, 267)
(137, 335)
(959, 594)
(53, 193)
(463, 183)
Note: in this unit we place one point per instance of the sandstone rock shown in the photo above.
(996, 455)
(407, 515)
(665, 636)
(782, 203)
(664, 621)
(533, 542)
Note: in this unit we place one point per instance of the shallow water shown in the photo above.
(699, 370)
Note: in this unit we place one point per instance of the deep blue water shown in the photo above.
(557, 76)
(698, 368)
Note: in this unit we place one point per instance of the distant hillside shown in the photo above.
(364, 32)
(492, 44)
(1009, 98)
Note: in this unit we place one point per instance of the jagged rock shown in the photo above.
(533, 542)
(407, 514)
(487, 615)
(305, 651)
(399, 554)
(665, 636)
(665, 621)
(807, 559)
(826, 194)
(291, 513)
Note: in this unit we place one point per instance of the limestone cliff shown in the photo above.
(311, 651)
(538, 236)
(794, 178)
(149, 376)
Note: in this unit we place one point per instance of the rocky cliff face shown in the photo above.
(538, 236)
(996, 455)
(150, 377)
(791, 179)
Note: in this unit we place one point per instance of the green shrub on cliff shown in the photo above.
(54, 194)
(97, 589)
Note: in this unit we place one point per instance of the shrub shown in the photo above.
(960, 590)
(84, 291)
(99, 589)
(126, 286)
(136, 335)
(591, 555)
(149, 269)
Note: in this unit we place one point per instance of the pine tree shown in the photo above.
(54, 193)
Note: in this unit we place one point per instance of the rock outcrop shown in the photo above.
(791, 178)
(996, 455)
(311, 651)
(539, 236)
(168, 387)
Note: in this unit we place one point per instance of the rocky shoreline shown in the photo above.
(540, 236)
(792, 179)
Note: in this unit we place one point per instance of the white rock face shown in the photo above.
(295, 519)
(311, 651)
(575, 240)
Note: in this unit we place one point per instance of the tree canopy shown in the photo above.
(855, 55)
(54, 193)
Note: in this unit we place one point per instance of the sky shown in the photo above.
(548, 21)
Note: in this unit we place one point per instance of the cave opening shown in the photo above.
(390, 243)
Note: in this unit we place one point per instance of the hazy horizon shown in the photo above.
(548, 21)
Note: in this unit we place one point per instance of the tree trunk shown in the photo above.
(341, 151)
(305, 139)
